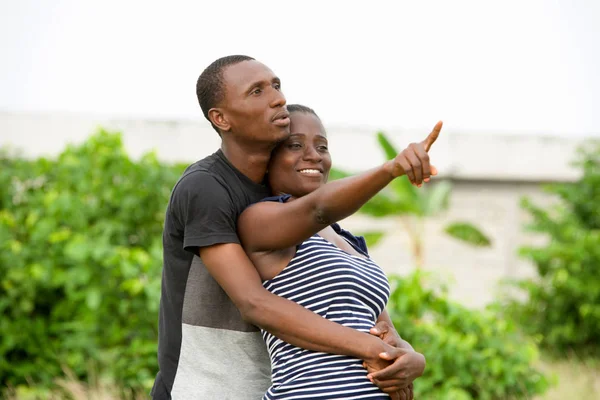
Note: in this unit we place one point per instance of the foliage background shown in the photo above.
(80, 263)
(563, 307)
(81, 259)
(471, 354)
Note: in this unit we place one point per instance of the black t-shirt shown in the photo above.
(203, 210)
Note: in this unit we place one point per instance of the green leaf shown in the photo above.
(468, 233)
(335, 174)
(436, 197)
(383, 205)
(93, 298)
(407, 196)
(387, 146)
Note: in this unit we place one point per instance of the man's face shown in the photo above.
(254, 105)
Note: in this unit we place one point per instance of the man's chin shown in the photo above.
(280, 138)
(284, 134)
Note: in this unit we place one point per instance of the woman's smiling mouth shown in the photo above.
(310, 172)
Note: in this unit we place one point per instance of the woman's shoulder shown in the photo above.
(277, 199)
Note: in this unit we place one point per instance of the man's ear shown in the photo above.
(216, 116)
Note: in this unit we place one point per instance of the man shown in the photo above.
(212, 298)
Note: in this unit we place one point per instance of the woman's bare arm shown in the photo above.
(272, 226)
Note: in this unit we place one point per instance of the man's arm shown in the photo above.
(384, 328)
(405, 368)
(232, 269)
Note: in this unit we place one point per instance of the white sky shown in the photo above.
(513, 66)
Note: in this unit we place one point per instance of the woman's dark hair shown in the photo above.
(292, 108)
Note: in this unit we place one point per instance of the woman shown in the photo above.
(303, 255)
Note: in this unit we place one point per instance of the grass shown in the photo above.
(575, 379)
(69, 387)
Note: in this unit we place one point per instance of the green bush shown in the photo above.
(563, 305)
(80, 263)
(471, 354)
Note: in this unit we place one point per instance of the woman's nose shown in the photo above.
(311, 154)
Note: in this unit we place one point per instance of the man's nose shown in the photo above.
(278, 99)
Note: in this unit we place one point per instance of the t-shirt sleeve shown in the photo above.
(204, 210)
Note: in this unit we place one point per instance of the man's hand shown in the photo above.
(403, 394)
(406, 393)
(384, 331)
(414, 160)
(405, 368)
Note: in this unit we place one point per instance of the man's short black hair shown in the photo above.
(210, 88)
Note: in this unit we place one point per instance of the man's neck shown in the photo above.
(251, 161)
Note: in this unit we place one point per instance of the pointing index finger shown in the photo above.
(432, 137)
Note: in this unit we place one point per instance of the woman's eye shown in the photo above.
(323, 148)
(295, 146)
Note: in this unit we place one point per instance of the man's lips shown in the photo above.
(282, 118)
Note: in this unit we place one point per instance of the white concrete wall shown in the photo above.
(490, 174)
(465, 156)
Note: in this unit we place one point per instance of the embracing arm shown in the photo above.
(330, 203)
(385, 329)
(404, 369)
(231, 268)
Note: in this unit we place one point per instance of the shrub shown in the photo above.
(563, 305)
(80, 263)
(471, 354)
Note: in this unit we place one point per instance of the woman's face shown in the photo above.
(301, 164)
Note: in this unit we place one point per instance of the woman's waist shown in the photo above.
(307, 365)
(337, 376)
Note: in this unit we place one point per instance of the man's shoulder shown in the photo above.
(207, 173)
(208, 166)
(214, 180)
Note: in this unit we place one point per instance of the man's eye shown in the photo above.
(277, 86)
(257, 91)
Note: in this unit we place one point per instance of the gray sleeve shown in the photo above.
(205, 211)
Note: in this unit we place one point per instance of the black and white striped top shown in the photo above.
(343, 288)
